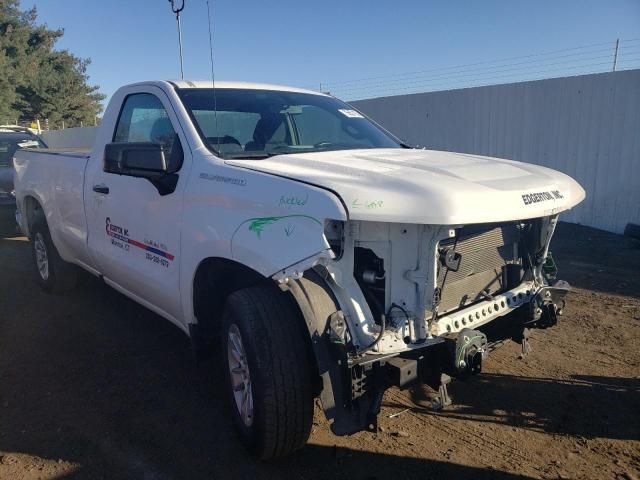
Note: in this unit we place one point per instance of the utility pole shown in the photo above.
(177, 11)
(615, 55)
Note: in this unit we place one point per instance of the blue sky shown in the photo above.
(304, 43)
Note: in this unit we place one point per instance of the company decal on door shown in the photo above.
(154, 252)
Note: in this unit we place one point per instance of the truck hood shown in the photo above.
(428, 186)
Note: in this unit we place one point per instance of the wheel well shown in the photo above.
(215, 280)
(32, 209)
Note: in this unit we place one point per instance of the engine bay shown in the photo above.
(409, 284)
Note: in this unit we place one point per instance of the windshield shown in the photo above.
(251, 123)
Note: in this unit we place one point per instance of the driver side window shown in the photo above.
(144, 119)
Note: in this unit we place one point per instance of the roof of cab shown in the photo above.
(243, 85)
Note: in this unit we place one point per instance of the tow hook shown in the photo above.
(548, 304)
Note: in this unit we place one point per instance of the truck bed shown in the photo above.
(56, 178)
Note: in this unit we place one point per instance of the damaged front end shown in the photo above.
(405, 303)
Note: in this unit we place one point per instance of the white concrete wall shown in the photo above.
(586, 126)
(80, 137)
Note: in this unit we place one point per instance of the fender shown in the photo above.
(262, 221)
(274, 242)
(321, 313)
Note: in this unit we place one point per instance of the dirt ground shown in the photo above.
(94, 386)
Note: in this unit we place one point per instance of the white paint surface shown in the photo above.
(585, 126)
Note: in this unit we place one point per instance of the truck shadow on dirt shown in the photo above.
(584, 406)
(117, 393)
(326, 462)
(93, 379)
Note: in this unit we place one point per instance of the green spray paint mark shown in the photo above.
(258, 224)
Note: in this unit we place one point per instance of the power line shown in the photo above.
(471, 72)
(482, 81)
(575, 61)
(483, 62)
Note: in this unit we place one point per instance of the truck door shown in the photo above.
(134, 224)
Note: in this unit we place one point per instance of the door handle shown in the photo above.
(101, 188)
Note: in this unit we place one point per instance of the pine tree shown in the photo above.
(37, 81)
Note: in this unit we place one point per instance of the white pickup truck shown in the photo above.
(311, 250)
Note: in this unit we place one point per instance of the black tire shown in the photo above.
(60, 276)
(278, 361)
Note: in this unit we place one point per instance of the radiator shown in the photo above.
(483, 254)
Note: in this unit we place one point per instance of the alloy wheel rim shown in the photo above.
(42, 260)
(239, 374)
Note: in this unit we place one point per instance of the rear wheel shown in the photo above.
(268, 376)
(53, 274)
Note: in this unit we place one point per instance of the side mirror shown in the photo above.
(136, 159)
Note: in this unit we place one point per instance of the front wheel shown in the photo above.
(268, 374)
(53, 274)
